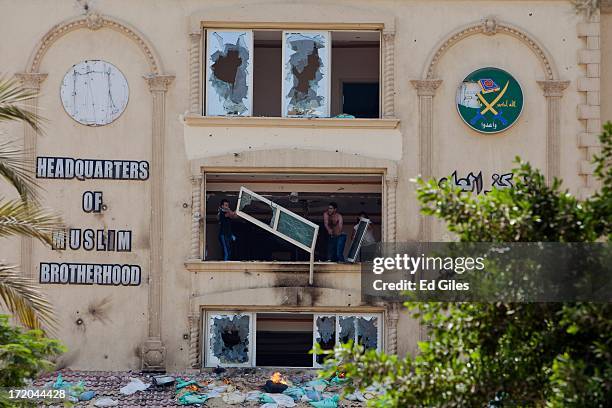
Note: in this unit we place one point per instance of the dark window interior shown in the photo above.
(360, 99)
(284, 340)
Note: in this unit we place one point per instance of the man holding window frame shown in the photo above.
(226, 236)
(337, 239)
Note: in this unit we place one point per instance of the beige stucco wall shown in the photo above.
(606, 65)
(112, 342)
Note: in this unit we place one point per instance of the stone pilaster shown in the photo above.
(589, 112)
(194, 340)
(426, 90)
(196, 217)
(392, 319)
(391, 204)
(195, 86)
(31, 82)
(153, 351)
(553, 91)
(389, 74)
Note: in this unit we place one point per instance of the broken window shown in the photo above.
(306, 195)
(306, 71)
(229, 340)
(325, 335)
(229, 73)
(340, 329)
(280, 221)
(242, 339)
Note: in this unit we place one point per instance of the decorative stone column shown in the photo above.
(196, 218)
(553, 91)
(389, 74)
(426, 90)
(391, 204)
(392, 319)
(194, 340)
(195, 87)
(31, 82)
(153, 350)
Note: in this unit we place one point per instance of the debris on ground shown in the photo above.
(231, 387)
(134, 386)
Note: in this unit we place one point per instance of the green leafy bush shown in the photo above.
(504, 354)
(24, 354)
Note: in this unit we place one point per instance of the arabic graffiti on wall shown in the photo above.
(474, 182)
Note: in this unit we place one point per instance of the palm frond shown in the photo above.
(16, 170)
(23, 298)
(12, 103)
(21, 218)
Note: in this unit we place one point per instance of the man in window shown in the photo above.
(226, 237)
(337, 239)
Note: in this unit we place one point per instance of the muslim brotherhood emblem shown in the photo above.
(489, 100)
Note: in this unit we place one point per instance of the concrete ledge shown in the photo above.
(250, 121)
(251, 266)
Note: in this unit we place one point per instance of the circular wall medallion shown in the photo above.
(94, 92)
(490, 100)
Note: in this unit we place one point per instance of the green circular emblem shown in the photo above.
(489, 100)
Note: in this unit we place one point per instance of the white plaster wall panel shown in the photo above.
(207, 142)
(127, 202)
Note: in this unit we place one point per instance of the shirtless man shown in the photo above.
(337, 239)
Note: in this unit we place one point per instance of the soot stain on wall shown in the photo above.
(229, 74)
(230, 339)
(304, 72)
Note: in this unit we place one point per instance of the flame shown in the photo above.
(277, 378)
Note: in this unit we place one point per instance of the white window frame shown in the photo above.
(274, 228)
(208, 362)
(379, 332)
(211, 361)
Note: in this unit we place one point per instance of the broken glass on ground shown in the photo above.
(229, 85)
(306, 74)
(229, 338)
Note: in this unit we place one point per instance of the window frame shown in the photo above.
(290, 27)
(208, 313)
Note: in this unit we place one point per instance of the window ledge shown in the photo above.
(253, 266)
(251, 121)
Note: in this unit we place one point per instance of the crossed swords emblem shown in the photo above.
(491, 107)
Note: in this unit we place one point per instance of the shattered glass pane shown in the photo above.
(295, 228)
(325, 335)
(347, 329)
(306, 72)
(229, 338)
(367, 332)
(229, 73)
(256, 208)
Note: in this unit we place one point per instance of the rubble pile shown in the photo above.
(245, 387)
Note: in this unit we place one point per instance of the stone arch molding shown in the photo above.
(94, 21)
(153, 351)
(429, 82)
(490, 26)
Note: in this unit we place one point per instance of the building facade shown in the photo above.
(159, 110)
